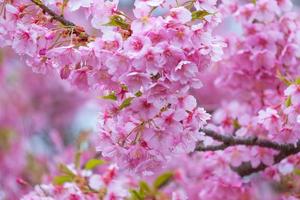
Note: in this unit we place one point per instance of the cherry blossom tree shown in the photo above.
(189, 108)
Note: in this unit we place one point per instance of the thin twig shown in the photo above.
(55, 16)
(80, 33)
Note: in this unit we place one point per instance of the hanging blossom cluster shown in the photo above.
(262, 65)
(142, 67)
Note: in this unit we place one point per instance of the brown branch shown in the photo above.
(201, 147)
(251, 141)
(55, 16)
(246, 169)
(77, 30)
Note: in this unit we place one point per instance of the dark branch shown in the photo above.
(285, 150)
(251, 141)
(201, 147)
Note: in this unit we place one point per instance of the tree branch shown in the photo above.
(246, 169)
(201, 147)
(80, 33)
(251, 141)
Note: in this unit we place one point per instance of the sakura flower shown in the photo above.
(261, 155)
(135, 80)
(199, 117)
(25, 40)
(152, 62)
(102, 10)
(267, 10)
(185, 72)
(76, 4)
(80, 79)
(180, 14)
(188, 103)
(268, 117)
(144, 22)
(263, 59)
(285, 5)
(171, 120)
(136, 46)
(58, 55)
(112, 41)
(141, 10)
(236, 156)
(152, 3)
(96, 182)
(293, 92)
(149, 109)
(179, 195)
(285, 168)
(207, 5)
(13, 13)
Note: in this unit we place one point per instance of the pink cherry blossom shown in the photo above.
(136, 46)
(101, 12)
(180, 14)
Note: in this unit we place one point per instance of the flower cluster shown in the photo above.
(266, 50)
(83, 184)
(142, 66)
(145, 66)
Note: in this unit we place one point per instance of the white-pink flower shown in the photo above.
(137, 46)
(102, 11)
(180, 15)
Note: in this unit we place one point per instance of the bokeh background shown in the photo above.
(41, 117)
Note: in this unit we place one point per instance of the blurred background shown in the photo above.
(41, 117)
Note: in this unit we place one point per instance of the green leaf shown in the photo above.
(126, 103)
(199, 14)
(91, 164)
(135, 195)
(283, 79)
(110, 96)
(59, 180)
(288, 102)
(254, 2)
(144, 188)
(138, 94)
(162, 180)
(6, 138)
(124, 87)
(117, 20)
(65, 170)
(236, 124)
(297, 81)
(77, 159)
(297, 172)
